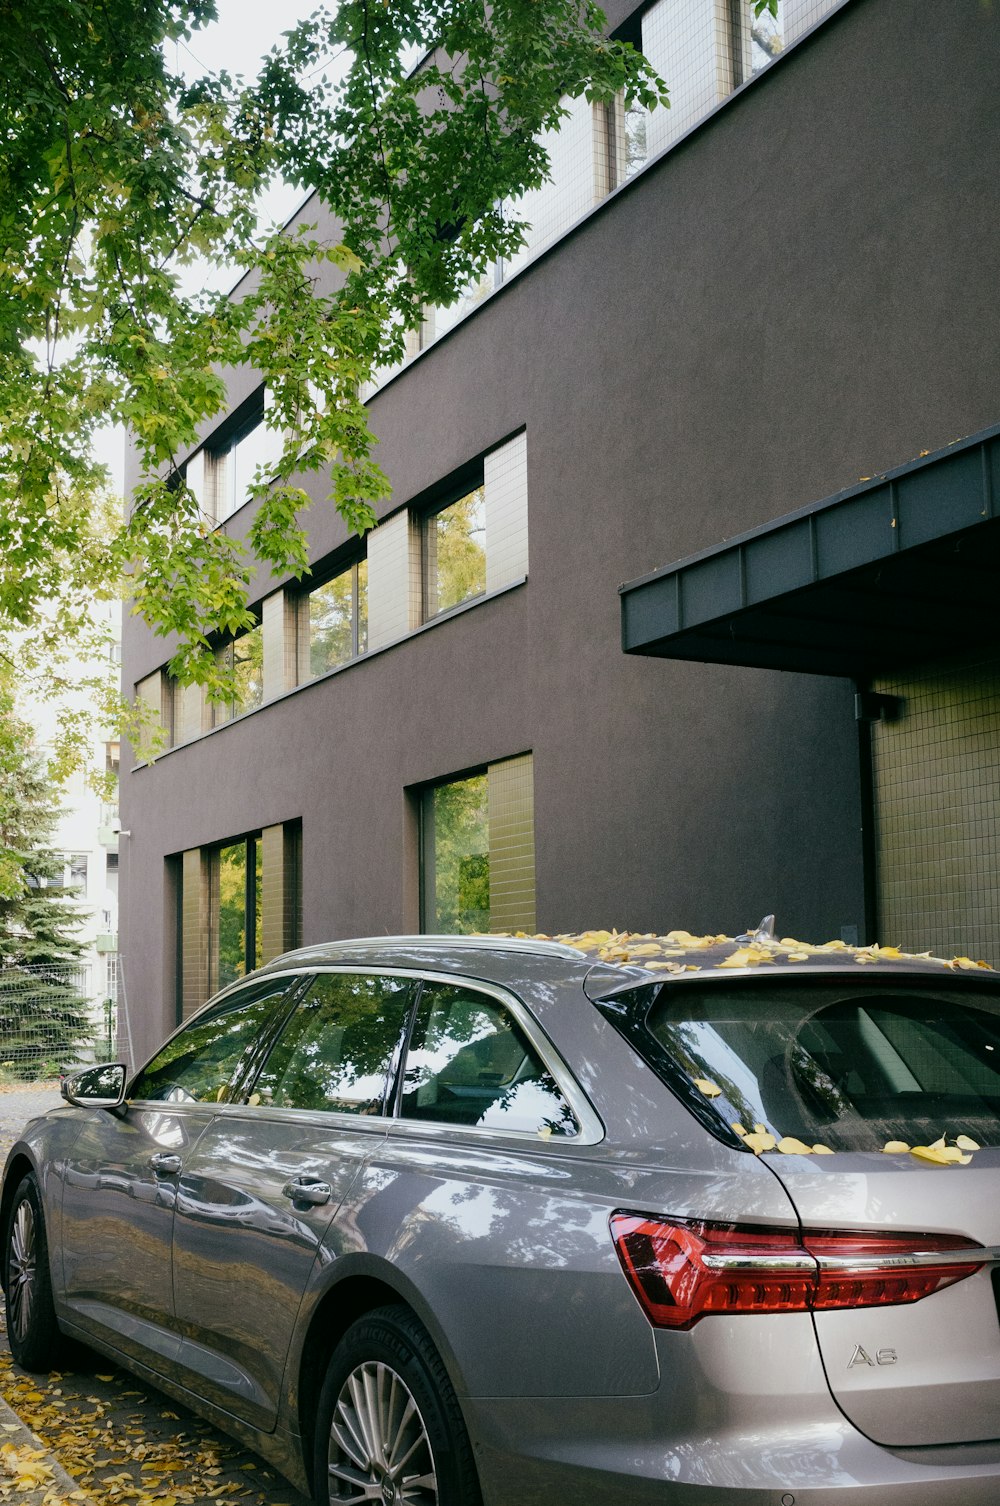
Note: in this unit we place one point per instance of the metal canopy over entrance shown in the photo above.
(900, 569)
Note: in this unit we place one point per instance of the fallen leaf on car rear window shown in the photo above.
(964, 1142)
(895, 1147)
(929, 1153)
(822, 1150)
(759, 1143)
(710, 1089)
(789, 1146)
(739, 1129)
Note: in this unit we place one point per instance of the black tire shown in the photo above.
(32, 1330)
(428, 1460)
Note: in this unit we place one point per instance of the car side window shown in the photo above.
(198, 1064)
(335, 1051)
(470, 1063)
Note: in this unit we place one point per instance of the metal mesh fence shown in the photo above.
(48, 1021)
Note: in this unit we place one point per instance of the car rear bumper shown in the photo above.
(605, 1452)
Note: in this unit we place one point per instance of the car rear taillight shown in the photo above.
(682, 1270)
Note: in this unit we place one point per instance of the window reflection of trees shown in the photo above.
(335, 1051)
(470, 1064)
(202, 1059)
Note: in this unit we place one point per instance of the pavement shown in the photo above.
(92, 1435)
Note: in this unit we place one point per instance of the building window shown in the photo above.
(112, 756)
(75, 872)
(454, 553)
(230, 467)
(244, 658)
(455, 856)
(239, 905)
(235, 910)
(477, 850)
(335, 621)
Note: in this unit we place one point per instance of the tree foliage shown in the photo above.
(116, 175)
(42, 1012)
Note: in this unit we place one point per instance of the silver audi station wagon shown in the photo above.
(604, 1220)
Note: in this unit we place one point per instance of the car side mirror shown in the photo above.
(96, 1087)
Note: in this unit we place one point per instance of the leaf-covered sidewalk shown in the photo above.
(127, 1445)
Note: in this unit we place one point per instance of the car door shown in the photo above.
(267, 1176)
(120, 1185)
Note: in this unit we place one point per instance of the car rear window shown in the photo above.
(851, 1068)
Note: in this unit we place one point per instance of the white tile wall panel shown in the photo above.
(573, 189)
(505, 476)
(393, 580)
(688, 42)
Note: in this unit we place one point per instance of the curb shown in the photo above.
(54, 1486)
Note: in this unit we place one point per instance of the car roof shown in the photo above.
(619, 958)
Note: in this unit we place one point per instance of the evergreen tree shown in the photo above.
(43, 1014)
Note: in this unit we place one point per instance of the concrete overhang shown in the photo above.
(902, 568)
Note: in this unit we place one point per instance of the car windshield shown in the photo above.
(853, 1068)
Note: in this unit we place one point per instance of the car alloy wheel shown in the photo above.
(389, 1429)
(31, 1320)
(22, 1270)
(379, 1448)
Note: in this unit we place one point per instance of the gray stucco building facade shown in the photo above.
(798, 292)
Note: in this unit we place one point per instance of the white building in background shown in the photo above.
(86, 835)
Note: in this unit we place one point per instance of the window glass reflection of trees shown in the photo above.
(767, 39)
(338, 619)
(455, 553)
(335, 1052)
(456, 842)
(199, 1061)
(469, 1063)
(238, 909)
(244, 656)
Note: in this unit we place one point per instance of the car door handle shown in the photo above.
(307, 1190)
(164, 1164)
